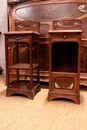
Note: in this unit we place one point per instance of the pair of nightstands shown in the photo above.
(64, 61)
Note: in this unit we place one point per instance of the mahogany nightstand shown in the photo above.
(64, 64)
(17, 85)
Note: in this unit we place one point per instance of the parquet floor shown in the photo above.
(21, 113)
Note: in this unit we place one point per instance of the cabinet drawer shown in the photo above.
(17, 38)
(64, 36)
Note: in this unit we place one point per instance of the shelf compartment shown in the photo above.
(65, 56)
(22, 66)
(16, 42)
(22, 87)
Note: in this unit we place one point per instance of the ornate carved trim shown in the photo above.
(27, 25)
(67, 23)
(12, 3)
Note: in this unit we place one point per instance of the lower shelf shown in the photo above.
(23, 88)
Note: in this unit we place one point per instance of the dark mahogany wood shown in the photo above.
(16, 84)
(46, 12)
(64, 64)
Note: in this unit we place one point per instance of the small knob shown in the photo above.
(65, 37)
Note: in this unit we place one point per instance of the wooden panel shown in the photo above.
(46, 12)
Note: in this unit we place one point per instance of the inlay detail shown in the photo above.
(64, 82)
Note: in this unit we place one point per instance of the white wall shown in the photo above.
(3, 28)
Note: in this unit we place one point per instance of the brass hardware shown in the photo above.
(18, 38)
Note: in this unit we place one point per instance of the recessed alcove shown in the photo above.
(65, 57)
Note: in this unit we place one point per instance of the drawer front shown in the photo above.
(17, 38)
(64, 37)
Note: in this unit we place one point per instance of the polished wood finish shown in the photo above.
(44, 12)
(27, 25)
(18, 85)
(67, 24)
(64, 64)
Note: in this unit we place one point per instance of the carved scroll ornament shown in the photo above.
(12, 3)
(67, 23)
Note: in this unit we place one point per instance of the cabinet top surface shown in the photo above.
(66, 31)
(21, 32)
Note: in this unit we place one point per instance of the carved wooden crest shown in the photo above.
(12, 3)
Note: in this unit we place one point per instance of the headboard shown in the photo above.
(45, 12)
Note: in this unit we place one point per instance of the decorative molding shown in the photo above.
(67, 23)
(12, 3)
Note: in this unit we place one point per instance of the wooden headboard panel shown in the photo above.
(47, 11)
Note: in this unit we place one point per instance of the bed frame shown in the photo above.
(46, 11)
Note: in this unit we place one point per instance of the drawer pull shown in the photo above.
(18, 38)
(65, 37)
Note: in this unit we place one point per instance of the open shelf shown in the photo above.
(22, 85)
(20, 43)
(22, 66)
(65, 57)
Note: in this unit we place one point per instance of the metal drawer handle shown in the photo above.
(18, 38)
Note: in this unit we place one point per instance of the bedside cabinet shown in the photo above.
(64, 64)
(17, 85)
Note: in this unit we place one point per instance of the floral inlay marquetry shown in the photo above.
(64, 83)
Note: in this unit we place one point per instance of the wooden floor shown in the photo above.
(21, 113)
